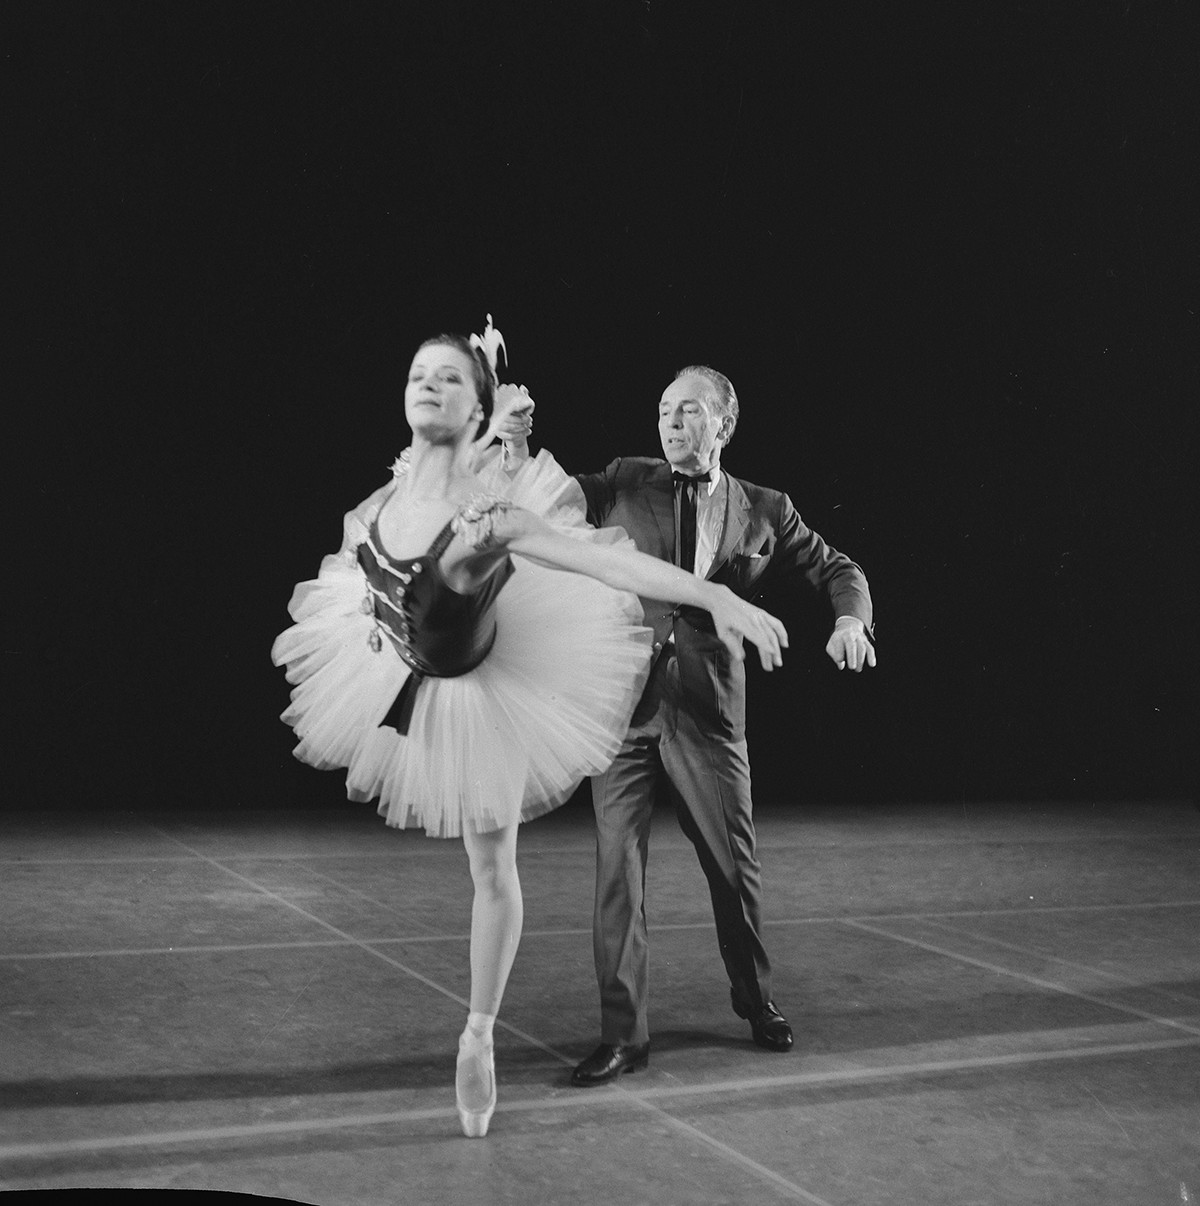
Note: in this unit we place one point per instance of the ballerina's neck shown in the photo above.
(437, 471)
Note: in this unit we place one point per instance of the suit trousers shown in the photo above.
(707, 775)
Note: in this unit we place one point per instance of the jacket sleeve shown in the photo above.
(800, 550)
(599, 489)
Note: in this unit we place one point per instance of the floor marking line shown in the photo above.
(605, 1095)
(1132, 906)
(729, 1153)
(1035, 980)
(666, 927)
(103, 862)
(213, 949)
(716, 1145)
(430, 932)
(378, 954)
(804, 843)
(1035, 953)
(966, 1063)
(679, 1125)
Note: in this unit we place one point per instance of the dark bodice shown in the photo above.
(435, 629)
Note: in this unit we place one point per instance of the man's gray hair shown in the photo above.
(726, 398)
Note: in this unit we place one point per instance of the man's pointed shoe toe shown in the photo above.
(768, 1027)
(609, 1061)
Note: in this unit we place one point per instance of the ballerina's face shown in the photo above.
(440, 395)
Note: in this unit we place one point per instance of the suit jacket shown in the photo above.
(763, 538)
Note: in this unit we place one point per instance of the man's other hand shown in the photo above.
(849, 646)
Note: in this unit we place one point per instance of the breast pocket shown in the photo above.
(746, 570)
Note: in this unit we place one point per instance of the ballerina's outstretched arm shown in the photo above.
(624, 568)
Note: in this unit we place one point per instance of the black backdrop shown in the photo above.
(948, 259)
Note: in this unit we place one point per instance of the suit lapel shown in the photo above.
(661, 497)
(737, 514)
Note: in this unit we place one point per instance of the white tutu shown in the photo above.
(507, 741)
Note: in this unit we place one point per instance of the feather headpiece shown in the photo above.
(491, 344)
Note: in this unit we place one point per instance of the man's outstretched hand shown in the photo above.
(849, 646)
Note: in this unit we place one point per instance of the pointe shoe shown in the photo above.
(475, 1079)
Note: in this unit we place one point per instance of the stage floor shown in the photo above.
(992, 1004)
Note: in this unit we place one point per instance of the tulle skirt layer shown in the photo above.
(509, 740)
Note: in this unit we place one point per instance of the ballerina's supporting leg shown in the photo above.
(496, 917)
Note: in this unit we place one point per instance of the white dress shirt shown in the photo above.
(710, 521)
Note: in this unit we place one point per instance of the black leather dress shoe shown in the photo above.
(608, 1062)
(768, 1026)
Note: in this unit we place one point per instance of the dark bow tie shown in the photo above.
(681, 479)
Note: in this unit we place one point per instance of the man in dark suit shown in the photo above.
(689, 727)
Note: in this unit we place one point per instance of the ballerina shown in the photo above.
(475, 650)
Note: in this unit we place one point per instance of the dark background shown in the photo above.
(947, 254)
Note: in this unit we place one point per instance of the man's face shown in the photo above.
(689, 424)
